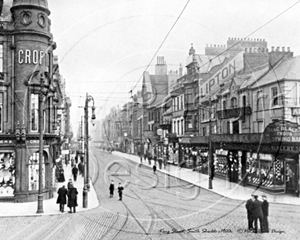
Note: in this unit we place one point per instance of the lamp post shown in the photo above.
(86, 187)
(210, 160)
(43, 94)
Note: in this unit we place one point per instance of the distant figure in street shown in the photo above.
(257, 213)
(265, 210)
(62, 197)
(61, 175)
(80, 168)
(72, 198)
(111, 189)
(249, 207)
(70, 183)
(72, 162)
(75, 172)
(154, 168)
(120, 191)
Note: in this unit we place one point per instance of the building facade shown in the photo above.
(26, 87)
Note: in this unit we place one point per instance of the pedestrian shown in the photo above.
(120, 191)
(61, 175)
(62, 197)
(249, 207)
(75, 172)
(265, 210)
(72, 162)
(111, 188)
(80, 168)
(69, 184)
(257, 213)
(154, 168)
(72, 198)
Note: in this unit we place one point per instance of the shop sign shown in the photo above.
(229, 69)
(185, 140)
(265, 156)
(5, 141)
(282, 131)
(28, 56)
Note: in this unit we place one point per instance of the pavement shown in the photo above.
(49, 205)
(220, 186)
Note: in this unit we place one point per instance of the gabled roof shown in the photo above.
(288, 69)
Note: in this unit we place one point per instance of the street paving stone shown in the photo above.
(159, 211)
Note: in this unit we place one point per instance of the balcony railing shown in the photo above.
(234, 112)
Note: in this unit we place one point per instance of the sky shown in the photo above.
(104, 46)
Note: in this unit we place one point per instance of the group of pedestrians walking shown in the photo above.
(258, 211)
(71, 193)
(112, 189)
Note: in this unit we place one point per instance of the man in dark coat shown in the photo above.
(249, 207)
(265, 210)
(120, 191)
(62, 197)
(72, 198)
(257, 213)
(80, 168)
(61, 175)
(75, 172)
(111, 189)
(154, 168)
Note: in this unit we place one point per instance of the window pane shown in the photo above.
(34, 112)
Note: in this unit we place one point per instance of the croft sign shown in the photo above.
(28, 56)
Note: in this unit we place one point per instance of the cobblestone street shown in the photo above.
(151, 213)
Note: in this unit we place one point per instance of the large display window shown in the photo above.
(33, 168)
(265, 170)
(7, 173)
(221, 162)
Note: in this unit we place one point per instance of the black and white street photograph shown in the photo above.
(149, 119)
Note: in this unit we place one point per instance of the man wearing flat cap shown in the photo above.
(257, 213)
(265, 210)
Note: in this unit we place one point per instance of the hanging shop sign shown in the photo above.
(282, 131)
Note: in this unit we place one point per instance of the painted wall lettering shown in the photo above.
(30, 57)
(229, 69)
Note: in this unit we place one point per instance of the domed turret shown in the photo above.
(43, 4)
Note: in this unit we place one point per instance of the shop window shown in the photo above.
(221, 163)
(34, 111)
(33, 167)
(1, 112)
(1, 63)
(7, 174)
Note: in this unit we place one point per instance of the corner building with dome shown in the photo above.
(27, 84)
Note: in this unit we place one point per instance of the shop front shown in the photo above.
(269, 160)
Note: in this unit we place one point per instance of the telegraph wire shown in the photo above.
(220, 54)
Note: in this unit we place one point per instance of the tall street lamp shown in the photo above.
(86, 187)
(44, 93)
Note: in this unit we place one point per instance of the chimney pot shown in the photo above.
(283, 49)
(288, 49)
(273, 48)
(277, 49)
